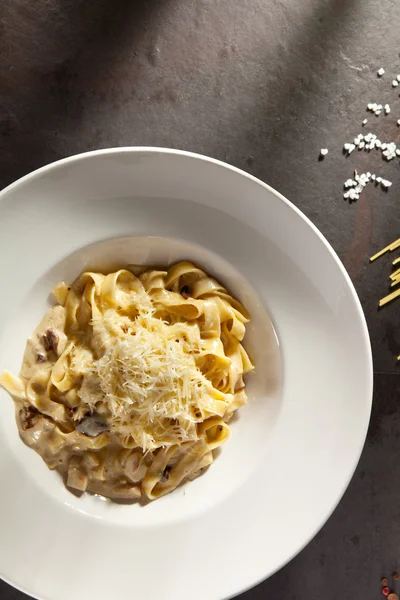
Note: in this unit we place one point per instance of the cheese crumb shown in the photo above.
(369, 142)
(381, 72)
(395, 83)
(324, 151)
(387, 109)
(354, 187)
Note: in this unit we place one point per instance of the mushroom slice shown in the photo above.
(50, 341)
(135, 468)
(92, 426)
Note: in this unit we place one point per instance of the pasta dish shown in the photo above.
(129, 382)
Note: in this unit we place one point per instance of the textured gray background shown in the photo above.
(263, 85)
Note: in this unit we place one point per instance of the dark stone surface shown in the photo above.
(263, 85)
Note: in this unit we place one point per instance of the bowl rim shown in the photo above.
(75, 158)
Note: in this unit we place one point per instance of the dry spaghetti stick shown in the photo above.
(395, 274)
(389, 248)
(389, 298)
(395, 282)
(395, 262)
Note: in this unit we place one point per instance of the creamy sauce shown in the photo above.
(108, 471)
(128, 384)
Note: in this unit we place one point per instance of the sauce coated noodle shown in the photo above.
(128, 384)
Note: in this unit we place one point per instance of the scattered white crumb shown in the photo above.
(354, 187)
(389, 150)
(369, 142)
(324, 151)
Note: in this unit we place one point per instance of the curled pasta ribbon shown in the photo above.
(88, 278)
(232, 328)
(171, 466)
(206, 287)
(60, 293)
(117, 288)
(212, 358)
(239, 399)
(214, 431)
(205, 462)
(239, 309)
(246, 362)
(13, 385)
(81, 304)
(62, 376)
(70, 398)
(182, 274)
(36, 394)
(211, 327)
(153, 280)
(89, 305)
(235, 371)
(135, 466)
(171, 303)
(37, 384)
(71, 309)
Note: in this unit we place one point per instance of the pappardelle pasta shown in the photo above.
(129, 382)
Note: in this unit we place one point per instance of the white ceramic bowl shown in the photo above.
(295, 445)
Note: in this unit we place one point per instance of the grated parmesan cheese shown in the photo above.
(148, 378)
